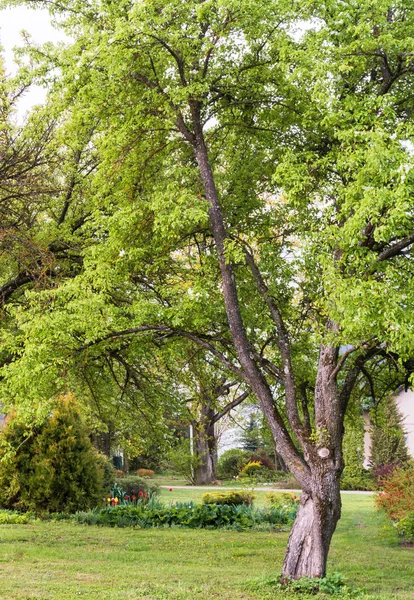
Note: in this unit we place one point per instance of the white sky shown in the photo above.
(37, 23)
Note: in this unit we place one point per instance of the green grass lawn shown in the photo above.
(65, 561)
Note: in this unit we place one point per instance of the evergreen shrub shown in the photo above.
(388, 441)
(363, 481)
(53, 467)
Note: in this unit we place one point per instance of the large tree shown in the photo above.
(255, 180)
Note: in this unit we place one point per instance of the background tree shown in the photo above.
(389, 448)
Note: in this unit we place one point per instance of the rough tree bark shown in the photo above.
(319, 468)
(205, 434)
(206, 447)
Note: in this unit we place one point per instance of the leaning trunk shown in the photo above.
(315, 523)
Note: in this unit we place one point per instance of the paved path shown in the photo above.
(256, 489)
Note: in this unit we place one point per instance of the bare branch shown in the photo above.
(230, 406)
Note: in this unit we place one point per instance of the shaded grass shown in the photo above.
(62, 561)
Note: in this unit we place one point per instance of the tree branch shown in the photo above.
(230, 406)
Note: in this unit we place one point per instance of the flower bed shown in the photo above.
(212, 516)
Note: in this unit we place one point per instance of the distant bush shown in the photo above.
(282, 499)
(384, 471)
(397, 495)
(363, 481)
(134, 486)
(263, 459)
(231, 462)
(287, 482)
(233, 498)
(120, 474)
(148, 473)
(257, 472)
(53, 467)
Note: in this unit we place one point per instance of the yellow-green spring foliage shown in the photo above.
(8, 517)
(51, 468)
(282, 499)
(233, 498)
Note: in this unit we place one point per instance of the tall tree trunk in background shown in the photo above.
(205, 447)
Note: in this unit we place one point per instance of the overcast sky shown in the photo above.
(37, 24)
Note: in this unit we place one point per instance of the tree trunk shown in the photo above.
(315, 523)
(206, 448)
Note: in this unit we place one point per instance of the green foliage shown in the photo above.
(334, 584)
(353, 450)
(211, 516)
(184, 462)
(256, 471)
(251, 439)
(51, 468)
(9, 517)
(405, 528)
(231, 462)
(234, 498)
(134, 486)
(397, 495)
(363, 481)
(388, 442)
(282, 500)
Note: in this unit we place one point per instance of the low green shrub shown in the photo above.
(333, 584)
(405, 528)
(148, 473)
(212, 516)
(233, 498)
(10, 517)
(282, 499)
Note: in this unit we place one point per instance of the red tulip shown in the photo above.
(133, 497)
(145, 495)
(170, 489)
(140, 493)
